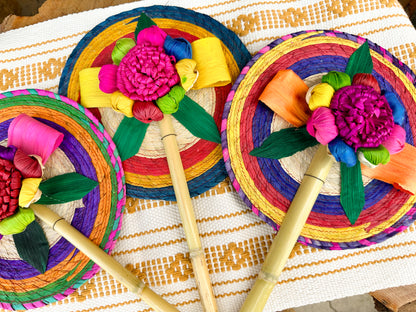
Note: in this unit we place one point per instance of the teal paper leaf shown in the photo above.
(129, 137)
(352, 191)
(360, 61)
(143, 22)
(194, 118)
(65, 188)
(33, 246)
(285, 143)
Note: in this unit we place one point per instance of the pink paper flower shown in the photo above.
(146, 73)
(364, 117)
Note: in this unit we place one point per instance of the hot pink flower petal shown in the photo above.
(153, 35)
(395, 143)
(108, 78)
(322, 126)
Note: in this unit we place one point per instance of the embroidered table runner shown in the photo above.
(152, 242)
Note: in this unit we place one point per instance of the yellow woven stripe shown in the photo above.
(166, 180)
(233, 132)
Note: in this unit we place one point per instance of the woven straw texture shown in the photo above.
(147, 173)
(267, 186)
(88, 150)
(152, 242)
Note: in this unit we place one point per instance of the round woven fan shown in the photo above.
(147, 173)
(267, 186)
(86, 149)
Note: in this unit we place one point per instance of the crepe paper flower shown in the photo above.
(150, 77)
(360, 123)
(21, 170)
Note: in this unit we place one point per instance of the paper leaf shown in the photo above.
(143, 22)
(360, 61)
(194, 118)
(129, 137)
(284, 143)
(65, 188)
(33, 246)
(352, 191)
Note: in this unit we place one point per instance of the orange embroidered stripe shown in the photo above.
(232, 1)
(348, 268)
(176, 226)
(357, 253)
(43, 42)
(37, 54)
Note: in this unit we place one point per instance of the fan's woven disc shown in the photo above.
(268, 186)
(147, 173)
(88, 150)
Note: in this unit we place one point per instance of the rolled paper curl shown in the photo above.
(169, 103)
(342, 152)
(146, 73)
(363, 116)
(366, 79)
(320, 95)
(375, 155)
(122, 47)
(33, 137)
(337, 79)
(180, 48)
(147, 112)
(399, 111)
(187, 72)
(29, 193)
(285, 95)
(29, 167)
(211, 63)
(108, 78)
(18, 222)
(322, 125)
(122, 104)
(8, 152)
(396, 141)
(152, 35)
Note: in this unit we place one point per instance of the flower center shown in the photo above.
(146, 73)
(363, 117)
(10, 184)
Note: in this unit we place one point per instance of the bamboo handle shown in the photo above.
(186, 212)
(289, 231)
(100, 257)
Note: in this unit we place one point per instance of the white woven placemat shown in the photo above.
(152, 242)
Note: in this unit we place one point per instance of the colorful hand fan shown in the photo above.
(54, 152)
(268, 186)
(147, 173)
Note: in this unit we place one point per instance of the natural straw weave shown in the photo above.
(147, 173)
(267, 186)
(90, 150)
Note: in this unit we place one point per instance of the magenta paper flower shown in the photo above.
(362, 115)
(146, 73)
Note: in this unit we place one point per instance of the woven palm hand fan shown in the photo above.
(153, 74)
(53, 152)
(318, 137)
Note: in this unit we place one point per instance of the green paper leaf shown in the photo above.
(360, 61)
(194, 118)
(284, 143)
(65, 188)
(352, 191)
(129, 137)
(33, 246)
(143, 22)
